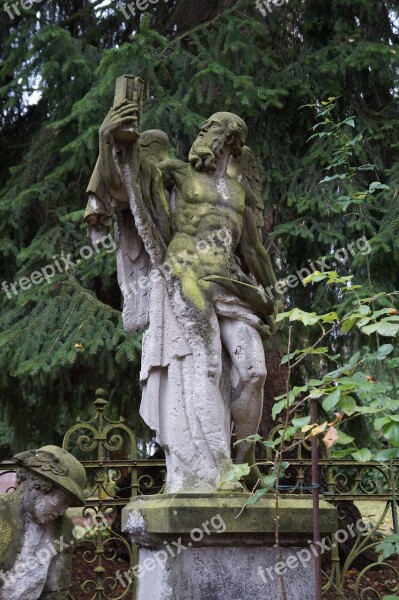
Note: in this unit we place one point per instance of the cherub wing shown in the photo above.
(154, 145)
(245, 169)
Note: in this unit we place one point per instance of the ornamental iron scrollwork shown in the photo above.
(108, 450)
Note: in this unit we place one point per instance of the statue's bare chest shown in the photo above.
(202, 195)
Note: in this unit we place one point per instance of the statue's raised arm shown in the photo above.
(127, 183)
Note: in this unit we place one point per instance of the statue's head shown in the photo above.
(51, 480)
(222, 130)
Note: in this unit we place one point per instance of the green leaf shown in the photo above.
(364, 310)
(383, 351)
(255, 497)
(342, 453)
(379, 423)
(347, 325)
(287, 357)
(270, 481)
(278, 407)
(391, 433)
(353, 359)
(331, 400)
(387, 329)
(359, 377)
(251, 438)
(348, 405)
(388, 454)
(363, 455)
(315, 276)
(301, 422)
(269, 443)
(329, 317)
(305, 317)
(332, 177)
(237, 472)
(344, 439)
(376, 185)
(369, 329)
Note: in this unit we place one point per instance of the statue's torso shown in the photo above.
(207, 215)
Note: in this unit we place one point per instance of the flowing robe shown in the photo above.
(169, 405)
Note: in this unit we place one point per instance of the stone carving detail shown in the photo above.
(35, 549)
(193, 269)
(45, 461)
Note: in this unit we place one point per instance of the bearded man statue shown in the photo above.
(193, 269)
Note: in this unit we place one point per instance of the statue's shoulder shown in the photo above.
(173, 165)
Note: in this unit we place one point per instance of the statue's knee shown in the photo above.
(254, 375)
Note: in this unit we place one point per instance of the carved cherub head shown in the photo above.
(41, 500)
(51, 480)
(221, 130)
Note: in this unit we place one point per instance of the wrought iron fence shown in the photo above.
(108, 450)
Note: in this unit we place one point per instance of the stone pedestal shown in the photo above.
(208, 548)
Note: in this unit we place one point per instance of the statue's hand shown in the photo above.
(124, 114)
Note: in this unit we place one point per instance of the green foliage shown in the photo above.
(387, 548)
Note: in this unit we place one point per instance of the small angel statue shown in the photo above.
(193, 269)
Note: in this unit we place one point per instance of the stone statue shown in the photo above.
(34, 531)
(191, 267)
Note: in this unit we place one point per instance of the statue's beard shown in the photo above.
(205, 151)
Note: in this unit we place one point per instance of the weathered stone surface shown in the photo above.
(224, 574)
(197, 547)
(154, 519)
(34, 529)
(192, 266)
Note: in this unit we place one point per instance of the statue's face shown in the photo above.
(209, 144)
(44, 501)
(222, 131)
(213, 129)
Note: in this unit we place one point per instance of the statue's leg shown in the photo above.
(244, 345)
(200, 327)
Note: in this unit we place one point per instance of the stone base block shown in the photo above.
(210, 548)
(223, 574)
